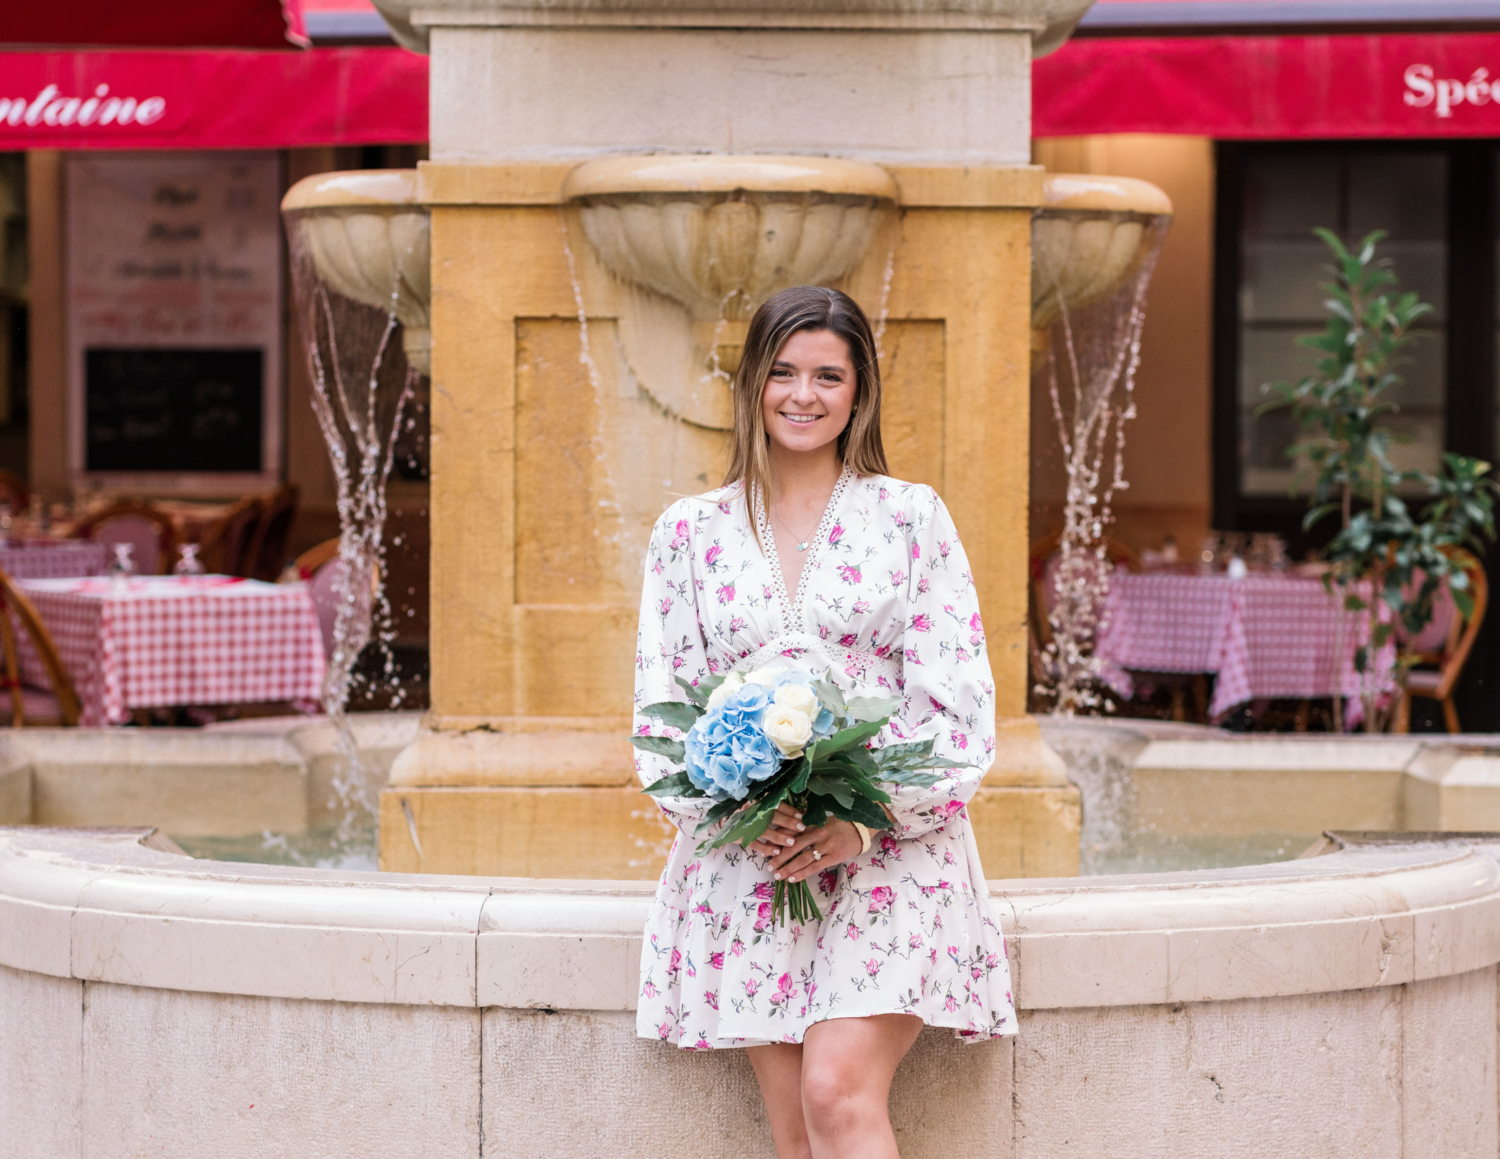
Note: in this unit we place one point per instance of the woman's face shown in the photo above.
(809, 394)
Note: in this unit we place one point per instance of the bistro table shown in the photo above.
(163, 641)
(1262, 635)
(51, 558)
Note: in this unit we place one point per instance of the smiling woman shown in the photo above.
(811, 557)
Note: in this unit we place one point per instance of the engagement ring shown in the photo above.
(817, 856)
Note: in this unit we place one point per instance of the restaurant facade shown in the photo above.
(139, 187)
(148, 344)
(1262, 121)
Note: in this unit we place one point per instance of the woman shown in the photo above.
(811, 555)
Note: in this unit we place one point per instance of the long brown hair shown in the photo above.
(779, 317)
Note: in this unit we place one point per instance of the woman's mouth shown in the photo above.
(800, 420)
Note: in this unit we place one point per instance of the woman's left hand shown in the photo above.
(834, 842)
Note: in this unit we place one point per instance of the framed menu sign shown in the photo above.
(174, 279)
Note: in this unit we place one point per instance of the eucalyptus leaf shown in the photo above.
(830, 697)
(674, 712)
(695, 692)
(673, 785)
(673, 750)
(873, 708)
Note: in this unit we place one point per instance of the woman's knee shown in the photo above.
(835, 1097)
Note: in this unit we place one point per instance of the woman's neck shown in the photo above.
(803, 478)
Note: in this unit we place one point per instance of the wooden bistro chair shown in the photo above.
(1442, 668)
(148, 529)
(318, 567)
(13, 491)
(226, 543)
(266, 554)
(32, 706)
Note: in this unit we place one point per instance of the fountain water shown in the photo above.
(1094, 247)
(360, 270)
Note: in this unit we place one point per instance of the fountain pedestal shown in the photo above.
(553, 454)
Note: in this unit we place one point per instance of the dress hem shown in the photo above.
(961, 1033)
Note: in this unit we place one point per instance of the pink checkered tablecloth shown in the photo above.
(1262, 636)
(168, 640)
(53, 559)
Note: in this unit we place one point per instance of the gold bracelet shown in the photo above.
(864, 838)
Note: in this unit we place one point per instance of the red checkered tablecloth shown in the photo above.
(1262, 636)
(52, 560)
(168, 640)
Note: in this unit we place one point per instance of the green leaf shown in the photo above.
(919, 778)
(866, 812)
(832, 787)
(674, 712)
(673, 785)
(860, 758)
(697, 692)
(673, 750)
(830, 697)
(843, 739)
(716, 814)
(799, 780)
(873, 708)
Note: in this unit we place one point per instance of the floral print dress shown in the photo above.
(886, 598)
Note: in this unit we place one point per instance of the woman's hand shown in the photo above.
(790, 844)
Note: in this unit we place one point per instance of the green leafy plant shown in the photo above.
(1383, 556)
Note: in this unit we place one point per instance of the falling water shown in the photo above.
(361, 386)
(1092, 354)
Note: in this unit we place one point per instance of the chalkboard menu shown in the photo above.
(174, 319)
(173, 410)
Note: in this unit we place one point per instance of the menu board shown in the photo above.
(174, 278)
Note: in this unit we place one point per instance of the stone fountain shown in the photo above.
(596, 250)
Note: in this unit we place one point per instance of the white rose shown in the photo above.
(798, 697)
(766, 675)
(788, 729)
(732, 684)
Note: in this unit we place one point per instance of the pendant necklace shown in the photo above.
(803, 544)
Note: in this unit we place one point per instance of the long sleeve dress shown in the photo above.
(886, 598)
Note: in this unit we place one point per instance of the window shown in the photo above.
(1438, 202)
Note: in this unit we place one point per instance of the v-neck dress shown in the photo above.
(886, 598)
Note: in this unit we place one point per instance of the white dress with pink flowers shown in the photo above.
(886, 598)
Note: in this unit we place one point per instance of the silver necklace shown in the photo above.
(803, 544)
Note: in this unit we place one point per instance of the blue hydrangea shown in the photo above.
(727, 749)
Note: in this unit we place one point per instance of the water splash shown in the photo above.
(1092, 391)
(883, 308)
(361, 386)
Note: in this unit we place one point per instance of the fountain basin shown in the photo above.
(225, 782)
(1342, 1004)
(370, 240)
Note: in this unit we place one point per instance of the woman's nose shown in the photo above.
(803, 391)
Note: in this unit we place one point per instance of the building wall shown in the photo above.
(1167, 447)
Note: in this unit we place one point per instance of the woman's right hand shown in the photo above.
(786, 825)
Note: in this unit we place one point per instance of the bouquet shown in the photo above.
(781, 734)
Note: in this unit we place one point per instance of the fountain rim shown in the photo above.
(719, 175)
(365, 189)
(1099, 194)
(120, 906)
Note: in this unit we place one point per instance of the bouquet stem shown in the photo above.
(794, 898)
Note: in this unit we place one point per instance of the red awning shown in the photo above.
(212, 100)
(156, 24)
(1272, 86)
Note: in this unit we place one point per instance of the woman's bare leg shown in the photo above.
(847, 1067)
(778, 1068)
